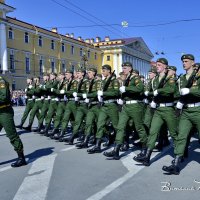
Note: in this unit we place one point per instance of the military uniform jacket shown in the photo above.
(81, 87)
(5, 97)
(29, 91)
(44, 89)
(92, 86)
(194, 95)
(166, 93)
(52, 84)
(135, 89)
(112, 91)
(37, 91)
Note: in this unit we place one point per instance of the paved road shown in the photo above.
(59, 171)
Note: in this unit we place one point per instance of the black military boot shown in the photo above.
(38, 129)
(111, 140)
(84, 144)
(96, 148)
(20, 126)
(45, 131)
(141, 154)
(114, 153)
(20, 160)
(62, 136)
(174, 168)
(124, 147)
(54, 131)
(28, 128)
(70, 140)
(145, 160)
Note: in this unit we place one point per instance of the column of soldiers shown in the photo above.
(119, 109)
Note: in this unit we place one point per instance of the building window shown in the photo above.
(72, 49)
(12, 61)
(26, 38)
(52, 44)
(41, 66)
(89, 54)
(63, 66)
(95, 56)
(63, 47)
(27, 63)
(10, 34)
(73, 68)
(40, 42)
(81, 52)
(52, 65)
(108, 58)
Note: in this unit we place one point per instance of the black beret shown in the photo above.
(187, 56)
(80, 70)
(108, 67)
(153, 70)
(127, 64)
(53, 73)
(172, 68)
(162, 60)
(69, 71)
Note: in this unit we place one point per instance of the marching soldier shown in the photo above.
(30, 101)
(7, 122)
(163, 102)
(73, 97)
(53, 102)
(109, 110)
(131, 100)
(38, 103)
(189, 104)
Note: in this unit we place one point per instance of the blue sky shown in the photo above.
(173, 39)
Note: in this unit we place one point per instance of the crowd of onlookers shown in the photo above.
(18, 98)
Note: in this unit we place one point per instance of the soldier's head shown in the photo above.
(126, 67)
(106, 70)
(122, 76)
(91, 72)
(53, 76)
(171, 70)
(188, 61)
(135, 72)
(152, 73)
(61, 76)
(161, 65)
(142, 78)
(68, 74)
(29, 80)
(45, 76)
(98, 77)
(80, 73)
(36, 80)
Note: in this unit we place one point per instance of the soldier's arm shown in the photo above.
(114, 90)
(95, 88)
(195, 91)
(136, 86)
(168, 89)
(83, 88)
(4, 92)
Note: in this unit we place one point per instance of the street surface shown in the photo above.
(59, 171)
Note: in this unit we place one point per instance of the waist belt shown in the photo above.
(55, 99)
(4, 106)
(71, 99)
(81, 101)
(165, 104)
(109, 101)
(63, 100)
(38, 99)
(46, 98)
(190, 105)
(94, 102)
(29, 99)
(132, 101)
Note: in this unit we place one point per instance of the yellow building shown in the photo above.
(28, 50)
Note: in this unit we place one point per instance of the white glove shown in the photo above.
(84, 96)
(30, 86)
(120, 101)
(44, 86)
(100, 99)
(74, 94)
(40, 86)
(25, 90)
(65, 97)
(146, 93)
(155, 93)
(42, 97)
(25, 97)
(153, 104)
(146, 101)
(76, 98)
(100, 93)
(185, 91)
(57, 99)
(62, 91)
(52, 89)
(179, 105)
(33, 97)
(49, 97)
(122, 89)
(86, 100)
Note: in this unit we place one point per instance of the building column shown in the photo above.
(115, 64)
(3, 47)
